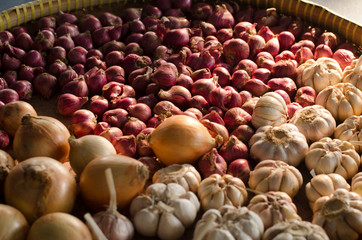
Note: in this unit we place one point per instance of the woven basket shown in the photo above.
(308, 11)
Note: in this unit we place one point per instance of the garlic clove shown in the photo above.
(193, 198)
(146, 221)
(184, 210)
(139, 203)
(170, 227)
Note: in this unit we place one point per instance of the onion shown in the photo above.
(33, 58)
(213, 116)
(129, 176)
(77, 55)
(66, 76)
(77, 86)
(14, 225)
(95, 79)
(84, 149)
(66, 17)
(239, 168)
(177, 37)
(59, 225)
(343, 57)
(83, 122)
(286, 84)
(65, 42)
(40, 185)
(116, 117)
(140, 111)
(285, 55)
(235, 117)
(45, 84)
(284, 68)
(235, 50)
(8, 95)
(233, 149)
(256, 87)
(243, 133)
(111, 133)
(57, 67)
(115, 74)
(79, 68)
(68, 103)
(210, 163)
(303, 54)
(272, 46)
(101, 127)
(257, 44)
(57, 53)
(98, 105)
(286, 40)
(305, 96)
(221, 17)
(10, 63)
(302, 43)
(44, 41)
(284, 95)
(89, 23)
(133, 126)
(323, 50)
(266, 33)
(199, 102)
(180, 139)
(24, 41)
(216, 129)
(292, 108)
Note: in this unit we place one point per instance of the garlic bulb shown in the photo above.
(342, 100)
(315, 122)
(284, 143)
(274, 175)
(270, 109)
(351, 131)
(273, 207)
(319, 73)
(184, 174)
(216, 191)
(339, 214)
(333, 156)
(229, 223)
(353, 73)
(295, 229)
(324, 185)
(164, 210)
(356, 184)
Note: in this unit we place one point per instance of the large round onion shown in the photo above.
(41, 136)
(129, 175)
(59, 226)
(13, 224)
(180, 139)
(40, 185)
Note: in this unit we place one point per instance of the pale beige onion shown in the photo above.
(13, 224)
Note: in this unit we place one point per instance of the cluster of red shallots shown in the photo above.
(120, 75)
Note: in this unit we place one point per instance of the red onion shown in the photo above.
(83, 122)
(177, 37)
(330, 39)
(162, 52)
(165, 75)
(109, 19)
(10, 63)
(14, 51)
(256, 44)
(235, 50)
(285, 83)
(292, 108)
(225, 98)
(84, 40)
(18, 30)
(133, 126)
(94, 61)
(203, 73)
(152, 11)
(239, 168)
(266, 33)
(101, 127)
(284, 95)
(57, 67)
(133, 61)
(95, 53)
(302, 43)
(199, 102)
(163, 4)
(284, 55)
(196, 44)
(26, 73)
(112, 46)
(244, 28)
(77, 55)
(347, 46)
(98, 105)
(239, 78)
(176, 94)
(8, 95)
(174, 12)
(323, 50)
(4, 140)
(67, 28)
(201, 60)
(136, 26)
(133, 47)
(303, 54)
(123, 102)
(142, 83)
(296, 27)
(151, 162)
(133, 37)
(166, 107)
(245, 95)
(216, 129)
(184, 5)
(233, 149)
(10, 77)
(184, 81)
(243, 133)
(343, 57)
(66, 76)
(311, 34)
(115, 74)
(79, 68)
(286, 40)
(264, 60)
(305, 96)
(44, 40)
(66, 17)
(114, 58)
(140, 111)
(201, 10)
(236, 116)
(284, 68)
(272, 46)
(207, 29)
(111, 134)
(24, 89)
(196, 112)
(224, 34)
(126, 145)
(221, 17)
(95, 81)
(6, 36)
(256, 87)
(150, 23)
(248, 65)
(213, 116)
(156, 120)
(68, 103)
(45, 84)
(115, 117)
(266, 17)
(89, 23)
(77, 87)
(149, 42)
(57, 53)
(24, 41)
(112, 90)
(210, 163)
(262, 74)
(65, 41)
(203, 87)
(3, 83)
(249, 105)
(223, 76)
(150, 100)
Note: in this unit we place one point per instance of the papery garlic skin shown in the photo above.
(333, 156)
(229, 222)
(184, 174)
(353, 73)
(351, 130)
(284, 143)
(324, 185)
(319, 73)
(339, 214)
(164, 210)
(295, 229)
(216, 191)
(356, 183)
(342, 100)
(273, 207)
(314, 122)
(274, 175)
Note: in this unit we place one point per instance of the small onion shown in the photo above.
(13, 225)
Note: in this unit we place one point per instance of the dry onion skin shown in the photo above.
(86, 148)
(129, 175)
(351, 131)
(59, 226)
(274, 175)
(40, 185)
(295, 229)
(284, 143)
(13, 224)
(315, 122)
(184, 174)
(41, 136)
(12, 113)
(273, 207)
(339, 214)
(180, 139)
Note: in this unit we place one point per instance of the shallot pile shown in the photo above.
(205, 113)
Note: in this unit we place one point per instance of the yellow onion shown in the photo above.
(86, 148)
(181, 139)
(41, 136)
(12, 113)
(40, 185)
(129, 176)
(6, 164)
(59, 226)
(13, 224)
